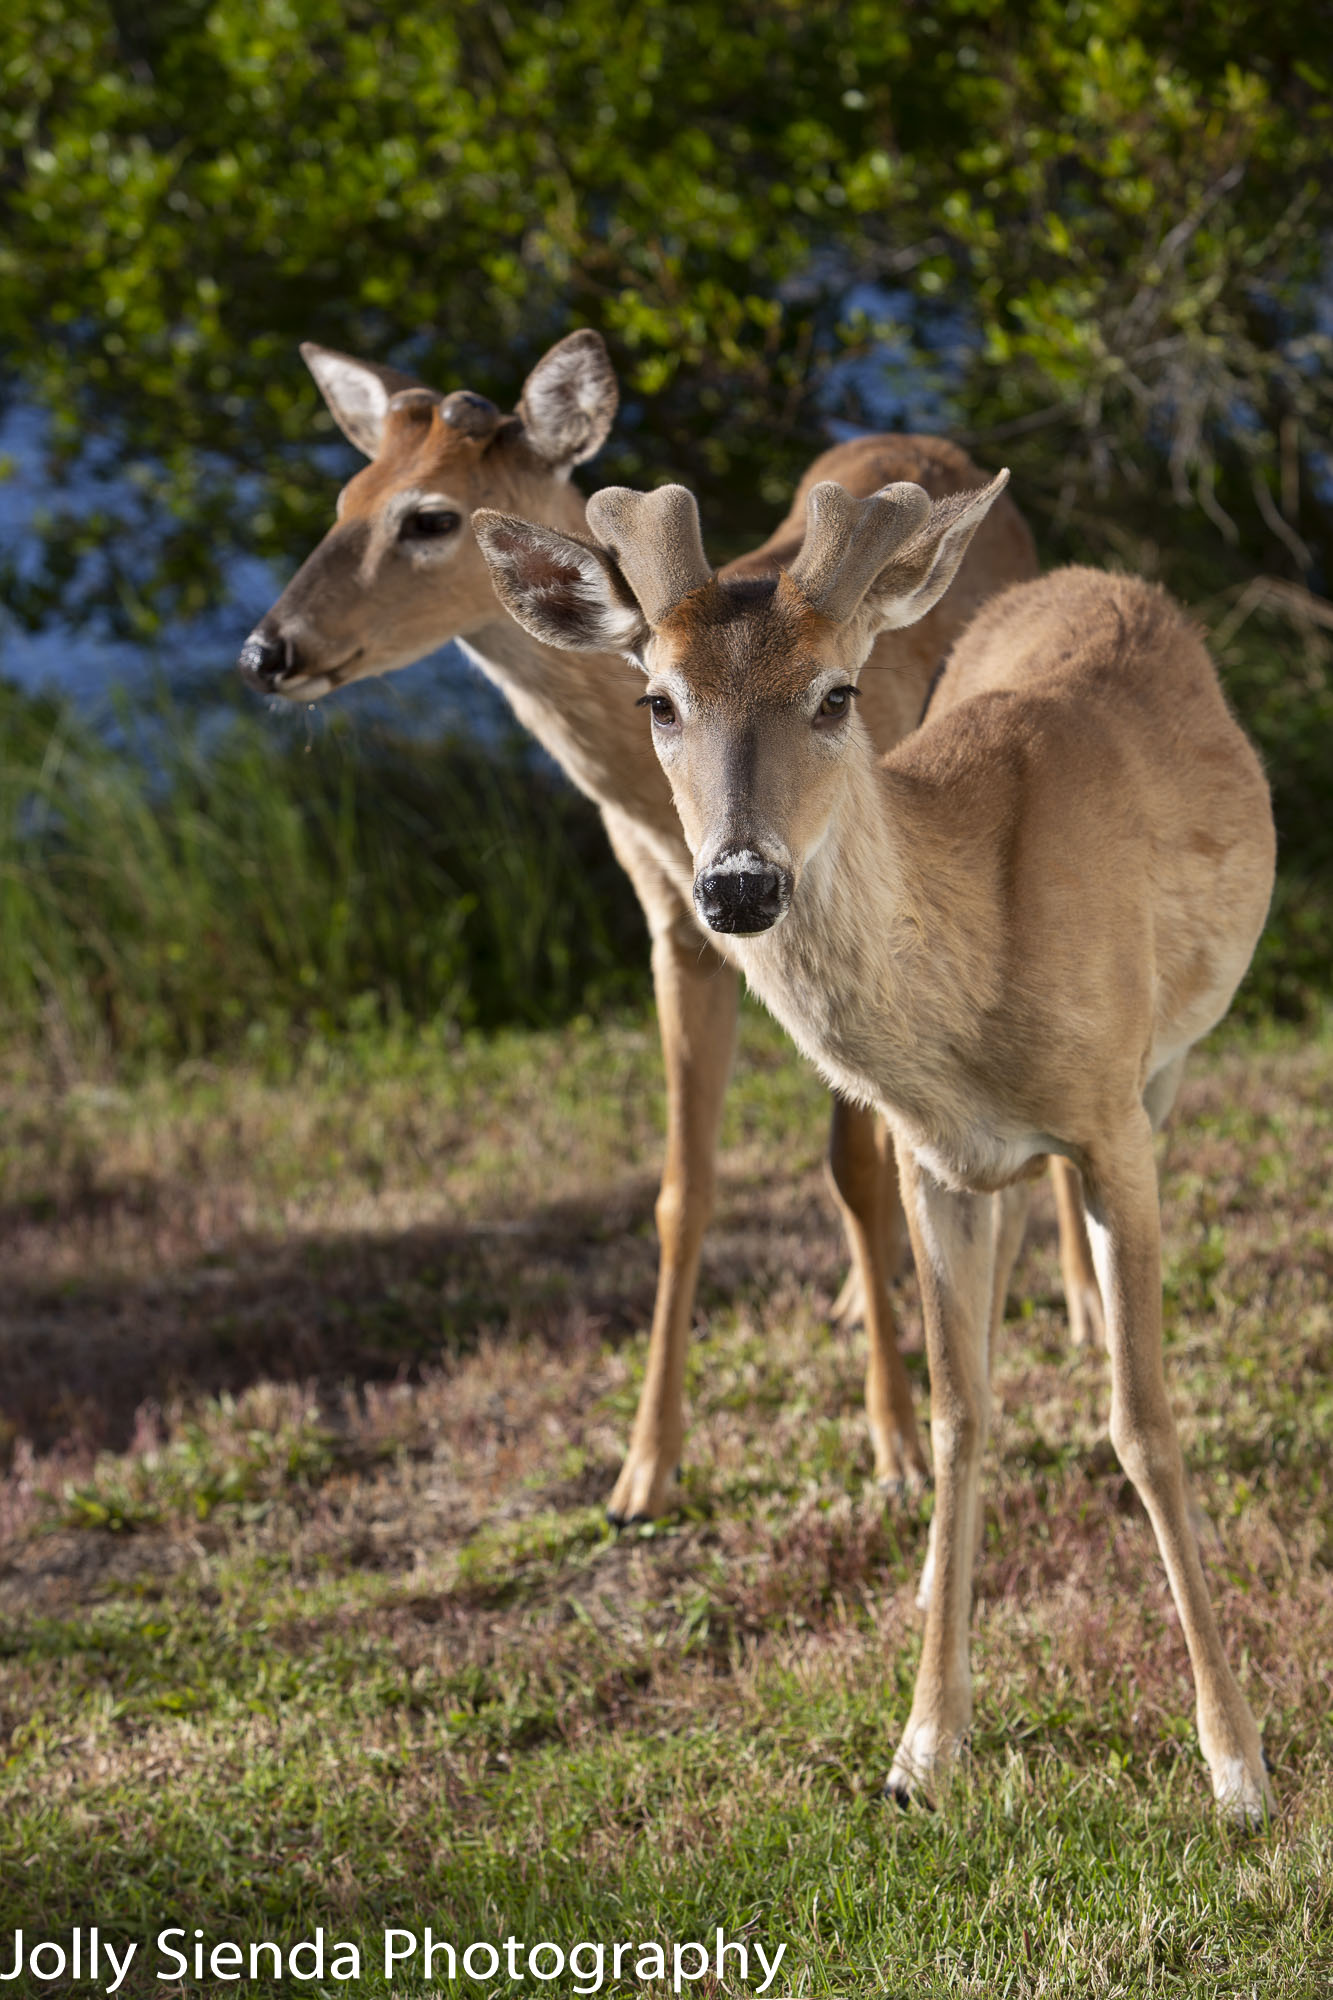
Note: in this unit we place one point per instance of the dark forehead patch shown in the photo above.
(435, 453)
(752, 637)
(736, 594)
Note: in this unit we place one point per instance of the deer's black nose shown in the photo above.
(265, 660)
(742, 894)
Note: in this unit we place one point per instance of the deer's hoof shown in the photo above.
(901, 1472)
(906, 1795)
(925, 1757)
(642, 1492)
(1245, 1798)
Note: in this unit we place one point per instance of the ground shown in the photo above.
(309, 1615)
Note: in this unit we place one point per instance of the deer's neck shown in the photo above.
(580, 707)
(872, 971)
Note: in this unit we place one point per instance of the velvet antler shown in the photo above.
(654, 538)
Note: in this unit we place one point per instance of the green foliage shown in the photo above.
(1107, 223)
(1279, 677)
(247, 887)
(1125, 202)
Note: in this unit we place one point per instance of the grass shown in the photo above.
(311, 1616)
(236, 888)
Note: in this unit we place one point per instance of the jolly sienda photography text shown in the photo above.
(86, 1956)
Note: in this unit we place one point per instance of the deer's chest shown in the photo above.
(899, 1057)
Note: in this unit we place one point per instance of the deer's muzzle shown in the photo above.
(265, 660)
(741, 894)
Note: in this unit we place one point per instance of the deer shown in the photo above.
(401, 573)
(1003, 935)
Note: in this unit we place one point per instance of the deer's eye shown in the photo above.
(428, 524)
(836, 704)
(662, 711)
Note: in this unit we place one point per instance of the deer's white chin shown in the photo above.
(307, 687)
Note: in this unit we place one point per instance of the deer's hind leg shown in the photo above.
(1083, 1299)
(697, 996)
(1124, 1226)
(858, 1171)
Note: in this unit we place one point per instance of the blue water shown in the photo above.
(194, 659)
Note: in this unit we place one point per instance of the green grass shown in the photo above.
(242, 889)
(310, 1614)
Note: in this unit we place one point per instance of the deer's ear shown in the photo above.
(357, 392)
(564, 592)
(569, 401)
(921, 569)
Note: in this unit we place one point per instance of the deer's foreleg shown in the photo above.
(859, 1171)
(696, 1012)
(955, 1240)
(1124, 1226)
(1011, 1216)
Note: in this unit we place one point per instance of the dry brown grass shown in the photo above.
(426, 1385)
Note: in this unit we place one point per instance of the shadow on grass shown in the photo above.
(79, 1357)
(217, 1312)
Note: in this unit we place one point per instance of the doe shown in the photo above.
(1004, 935)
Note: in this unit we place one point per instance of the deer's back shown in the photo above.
(1110, 664)
(1080, 749)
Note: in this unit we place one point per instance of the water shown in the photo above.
(194, 659)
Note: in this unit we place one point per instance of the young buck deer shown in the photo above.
(1004, 935)
(400, 574)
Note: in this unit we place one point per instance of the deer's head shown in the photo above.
(752, 682)
(400, 573)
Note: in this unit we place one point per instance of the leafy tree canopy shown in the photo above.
(1105, 222)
